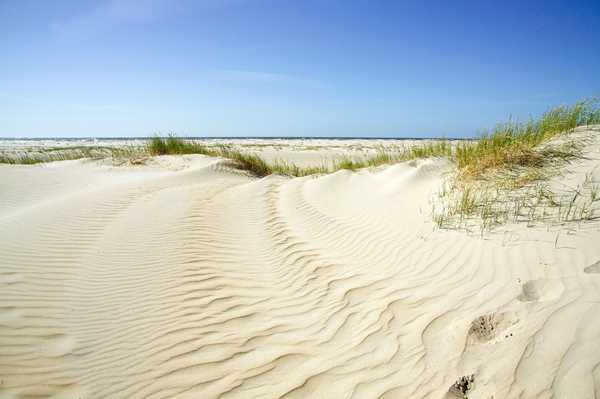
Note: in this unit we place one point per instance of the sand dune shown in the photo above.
(186, 279)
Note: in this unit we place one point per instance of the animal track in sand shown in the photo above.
(490, 326)
(541, 290)
(593, 269)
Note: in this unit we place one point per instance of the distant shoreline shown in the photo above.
(234, 138)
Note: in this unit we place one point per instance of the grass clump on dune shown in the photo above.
(32, 156)
(514, 145)
(435, 149)
(173, 145)
(500, 177)
(503, 177)
(42, 156)
(244, 161)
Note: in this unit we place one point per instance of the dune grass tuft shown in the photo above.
(517, 145)
(32, 156)
(172, 145)
(500, 176)
(260, 167)
(503, 176)
(249, 162)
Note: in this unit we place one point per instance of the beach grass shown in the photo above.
(501, 176)
(507, 147)
(504, 175)
(53, 154)
(517, 145)
(172, 145)
(257, 166)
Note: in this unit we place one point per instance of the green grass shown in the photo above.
(504, 176)
(32, 157)
(508, 150)
(517, 145)
(173, 145)
(477, 206)
(438, 148)
(260, 167)
(507, 147)
(244, 161)
(53, 154)
(501, 176)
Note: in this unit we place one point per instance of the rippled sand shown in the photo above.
(185, 279)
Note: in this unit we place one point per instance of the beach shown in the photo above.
(242, 199)
(183, 277)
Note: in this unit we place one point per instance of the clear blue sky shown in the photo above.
(289, 67)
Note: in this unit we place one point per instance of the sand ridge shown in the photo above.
(184, 279)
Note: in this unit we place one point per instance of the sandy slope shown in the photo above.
(192, 281)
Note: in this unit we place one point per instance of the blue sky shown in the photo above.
(283, 67)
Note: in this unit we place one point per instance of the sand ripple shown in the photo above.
(201, 283)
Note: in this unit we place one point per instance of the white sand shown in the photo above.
(185, 279)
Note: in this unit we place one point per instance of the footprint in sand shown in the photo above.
(541, 290)
(461, 388)
(491, 326)
(593, 269)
